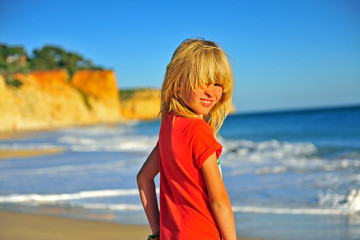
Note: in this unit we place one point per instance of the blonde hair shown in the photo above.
(197, 63)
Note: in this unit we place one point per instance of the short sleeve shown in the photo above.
(203, 142)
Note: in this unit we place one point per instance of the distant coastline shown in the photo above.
(300, 109)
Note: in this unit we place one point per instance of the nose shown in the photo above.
(209, 91)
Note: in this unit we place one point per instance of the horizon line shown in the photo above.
(298, 109)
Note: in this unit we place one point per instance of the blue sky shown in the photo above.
(285, 54)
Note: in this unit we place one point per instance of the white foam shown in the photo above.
(115, 207)
(41, 198)
(260, 151)
(268, 170)
(65, 169)
(123, 143)
(245, 209)
(350, 202)
(354, 200)
(273, 157)
(329, 204)
(101, 129)
(314, 211)
(29, 146)
(269, 157)
(91, 139)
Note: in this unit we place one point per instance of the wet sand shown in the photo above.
(7, 135)
(21, 226)
(24, 153)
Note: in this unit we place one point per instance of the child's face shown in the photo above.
(202, 100)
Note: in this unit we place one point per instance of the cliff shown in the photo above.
(141, 104)
(48, 99)
(100, 92)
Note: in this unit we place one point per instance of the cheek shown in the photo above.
(218, 94)
(189, 98)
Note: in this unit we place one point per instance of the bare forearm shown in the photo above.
(219, 199)
(149, 201)
(225, 219)
(146, 185)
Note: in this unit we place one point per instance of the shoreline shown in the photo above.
(24, 132)
(26, 226)
(25, 153)
(18, 134)
(7, 153)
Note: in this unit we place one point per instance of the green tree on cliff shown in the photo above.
(12, 60)
(51, 57)
(9, 55)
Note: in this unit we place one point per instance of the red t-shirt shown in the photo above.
(185, 211)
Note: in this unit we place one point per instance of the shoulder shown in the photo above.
(202, 142)
(200, 123)
(199, 132)
(197, 126)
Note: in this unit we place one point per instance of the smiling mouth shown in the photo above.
(206, 102)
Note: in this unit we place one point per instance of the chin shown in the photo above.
(204, 113)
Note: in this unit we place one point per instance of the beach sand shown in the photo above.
(21, 153)
(7, 135)
(21, 226)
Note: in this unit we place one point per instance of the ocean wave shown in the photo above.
(29, 146)
(239, 209)
(274, 157)
(305, 211)
(44, 198)
(329, 204)
(349, 202)
(261, 151)
(271, 170)
(106, 138)
(115, 207)
(97, 130)
(123, 143)
(121, 166)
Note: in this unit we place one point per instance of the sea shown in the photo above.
(290, 175)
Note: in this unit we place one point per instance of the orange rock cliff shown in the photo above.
(49, 99)
(143, 104)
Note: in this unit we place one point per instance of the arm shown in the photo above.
(219, 199)
(146, 185)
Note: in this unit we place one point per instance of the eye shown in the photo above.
(218, 85)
